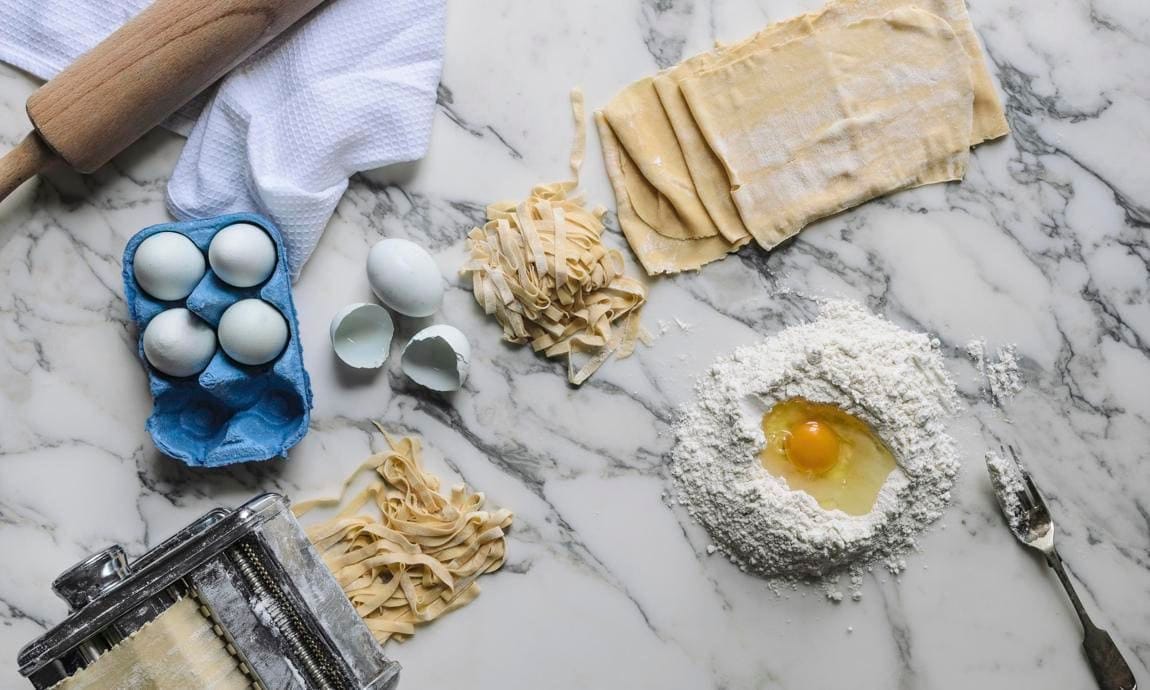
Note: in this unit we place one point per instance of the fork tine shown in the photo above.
(1039, 501)
(1034, 494)
(1028, 501)
(1014, 456)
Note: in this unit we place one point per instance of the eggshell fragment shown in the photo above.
(253, 332)
(179, 343)
(242, 254)
(438, 357)
(168, 266)
(361, 335)
(405, 277)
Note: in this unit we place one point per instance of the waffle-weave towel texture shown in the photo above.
(351, 87)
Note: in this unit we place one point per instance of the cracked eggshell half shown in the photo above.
(361, 335)
(405, 277)
(438, 357)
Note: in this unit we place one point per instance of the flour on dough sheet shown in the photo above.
(651, 205)
(852, 112)
(989, 119)
(661, 125)
(705, 168)
(179, 649)
(654, 152)
(656, 252)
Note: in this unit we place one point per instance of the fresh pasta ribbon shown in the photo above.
(416, 554)
(540, 268)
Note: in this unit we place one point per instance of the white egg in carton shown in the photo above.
(168, 266)
(220, 339)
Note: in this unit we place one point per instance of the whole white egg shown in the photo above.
(253, 332)
(404, 276)
(179, 343)
(168, 265)
(242, 255)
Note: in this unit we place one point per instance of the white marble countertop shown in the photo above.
(607, 586)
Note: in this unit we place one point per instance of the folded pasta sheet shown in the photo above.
(852, 112)
(658, 182)
(661, 133)
(655, 251)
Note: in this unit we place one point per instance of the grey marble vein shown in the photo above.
(609, 584)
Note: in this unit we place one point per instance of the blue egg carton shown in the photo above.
(230, 412)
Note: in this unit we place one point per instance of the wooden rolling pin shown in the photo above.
(113, 94)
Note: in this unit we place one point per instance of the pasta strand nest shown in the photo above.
(418, 554)
(540, 268)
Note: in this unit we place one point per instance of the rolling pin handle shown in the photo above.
(19, 165)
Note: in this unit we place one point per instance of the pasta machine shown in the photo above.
(242, 592)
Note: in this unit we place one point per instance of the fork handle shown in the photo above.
(1111, 671)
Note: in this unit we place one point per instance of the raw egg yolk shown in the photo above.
(812, 446)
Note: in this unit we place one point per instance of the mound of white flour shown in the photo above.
(893, 379)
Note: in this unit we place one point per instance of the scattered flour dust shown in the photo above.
(893, 379)
(1001, 372)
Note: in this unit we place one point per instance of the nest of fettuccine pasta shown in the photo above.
(540, 268)
(403, 553)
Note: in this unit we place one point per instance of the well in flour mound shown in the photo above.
(893, 379)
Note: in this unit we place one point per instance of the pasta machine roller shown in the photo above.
(246, 582)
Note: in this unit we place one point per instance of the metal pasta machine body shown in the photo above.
(241, 593)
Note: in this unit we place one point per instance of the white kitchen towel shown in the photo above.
(351, 87)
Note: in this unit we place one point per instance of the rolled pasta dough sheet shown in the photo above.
(659, 125)
(989, 120)
(830, 119)
(704, 167)
(658, 183)
(179, 650)
(656, 252)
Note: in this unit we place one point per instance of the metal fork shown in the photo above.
(1030, 521)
